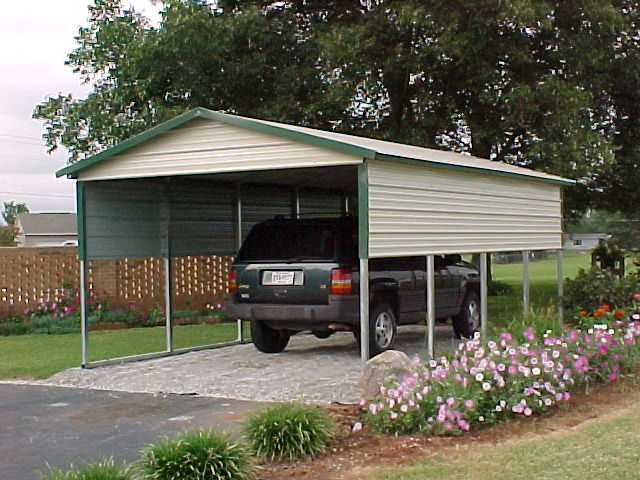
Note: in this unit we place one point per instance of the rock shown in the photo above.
(391, 364)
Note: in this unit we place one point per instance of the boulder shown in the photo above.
(389, 365)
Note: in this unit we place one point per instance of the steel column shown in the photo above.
(239, 325)
(238, 218)
(364, 311)
(525, 281)
(560, 280)
(484, 294)
(431, 305)
(84, 314)
(167, 303)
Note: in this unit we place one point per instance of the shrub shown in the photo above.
(498, 288)
(289, 430)
(199, 455)
(14, 328)
(594, 287)
(486, 383)
(103, 470)
(48, 324)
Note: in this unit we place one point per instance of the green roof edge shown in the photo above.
(200, 112)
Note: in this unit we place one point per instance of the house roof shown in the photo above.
(360, 146)
(48, 223)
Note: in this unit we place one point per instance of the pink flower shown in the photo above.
(393, 415)
(527, 411)
(468, 403)
(356, 427)
(612, 377)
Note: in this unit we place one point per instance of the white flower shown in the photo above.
(535, 371)
(486, 386)
(479, 377)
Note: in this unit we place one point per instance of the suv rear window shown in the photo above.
(289, 242)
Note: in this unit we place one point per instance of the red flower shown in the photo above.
(583, 313)
(618, 313)
(636, 296)
(605, 307)
(599, 312)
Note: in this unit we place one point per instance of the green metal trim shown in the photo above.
(80, 220)
(248, 123)
(363, 211)
(412, 161)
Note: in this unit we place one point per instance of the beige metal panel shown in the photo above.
(420, 210)
(205, 146)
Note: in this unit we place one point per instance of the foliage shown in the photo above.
(498, 288)
(11, 210)
(594, 287)
(198, 455)
(546, 84)
(486, 383)
(623, 228)
(8, 236)
(102, 470)
(289, 430)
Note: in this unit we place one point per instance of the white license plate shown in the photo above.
(279, 278)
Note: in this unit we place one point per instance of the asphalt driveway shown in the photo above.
(42, 425)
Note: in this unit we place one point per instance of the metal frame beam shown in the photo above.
(484, 294)
(525, 282)
(431, 306)
(560, 280)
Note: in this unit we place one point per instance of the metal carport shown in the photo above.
(195, 184)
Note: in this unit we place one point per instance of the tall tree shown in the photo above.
(10, 211)
(549, 84)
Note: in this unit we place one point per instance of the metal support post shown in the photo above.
(84, 314)
(240, 333)
(525, 282)
(484, 294)
(364, 311)
(431, 305)
(238, 219)
(167, 303)
(560, 279)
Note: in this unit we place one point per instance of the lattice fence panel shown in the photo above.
(30, 274)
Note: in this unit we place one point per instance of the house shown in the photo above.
(583, 241)
(46, 230)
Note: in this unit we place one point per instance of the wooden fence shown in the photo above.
(30, 274)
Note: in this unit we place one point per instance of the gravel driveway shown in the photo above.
(309, 370)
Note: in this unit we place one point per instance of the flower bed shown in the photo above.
(485, 383)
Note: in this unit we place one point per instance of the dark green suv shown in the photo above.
(294, 275)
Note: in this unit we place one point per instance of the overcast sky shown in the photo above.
(35, 39)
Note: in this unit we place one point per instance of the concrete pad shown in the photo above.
(309, 370)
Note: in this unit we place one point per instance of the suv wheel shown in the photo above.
(267, 339)
(382, 327)
(467, 322)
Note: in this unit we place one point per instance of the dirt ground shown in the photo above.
(358, 456)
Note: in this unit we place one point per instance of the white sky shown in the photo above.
(35, 39)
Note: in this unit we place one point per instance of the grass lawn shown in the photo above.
(542, 286)
(38, 356)
(606, 448)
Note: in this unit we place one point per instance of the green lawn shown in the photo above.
(606, 448)
(542, 286)
(38, 356)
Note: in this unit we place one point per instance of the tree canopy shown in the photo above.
(548, 84)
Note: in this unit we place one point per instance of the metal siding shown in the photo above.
(206, 146)
(123, 219)
(426, 210)
(320, 203)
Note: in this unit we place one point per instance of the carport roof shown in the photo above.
(367, 148)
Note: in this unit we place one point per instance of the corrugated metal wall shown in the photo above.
(417, 210)
(142, 218)
(206, 146)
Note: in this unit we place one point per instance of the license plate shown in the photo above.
(278, 278)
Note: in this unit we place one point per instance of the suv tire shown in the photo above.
(383, 328)
(467, 322)
(267, 339)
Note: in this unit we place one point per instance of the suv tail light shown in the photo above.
(232, 285)
(340, 281)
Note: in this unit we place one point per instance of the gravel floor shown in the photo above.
(309, 370)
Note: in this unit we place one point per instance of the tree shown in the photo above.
(547, 84)
(11, 210)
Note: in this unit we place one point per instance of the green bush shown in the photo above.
(199, 455)
(103, 470)
(497, 288)
(592, 288)
(289, 430)
(48, 324)
(14, 328)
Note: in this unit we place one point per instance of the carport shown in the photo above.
(196, 184)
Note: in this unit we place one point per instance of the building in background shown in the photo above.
(46, 230)
(583, 241)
